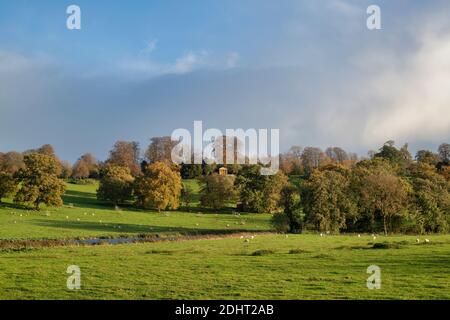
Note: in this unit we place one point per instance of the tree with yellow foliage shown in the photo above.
(158, 188)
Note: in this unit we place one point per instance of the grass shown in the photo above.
(328, 268)
(268, 266)
(83, 216)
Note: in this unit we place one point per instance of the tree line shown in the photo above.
(331, 190)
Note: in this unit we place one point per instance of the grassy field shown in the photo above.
(84, 216)
(332, 267)
(270, 266)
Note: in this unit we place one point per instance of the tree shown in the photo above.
(432, 199)
(426, 156)
(328, 199)
(39, 181)
(11, 162)
(208, 168)
(160, 150)
(80, 169)
(116, 184)
(291, 218)
(444, 152)
(158, 188)
(187, 195)
(399, 159)
(125, 154)
(86, 167)
(8, 185)
(66, 170)
(260, 193)
(336, 154)
(384, 194)
(291, 162)
(216, 190)
(190, 171)
(312, 158)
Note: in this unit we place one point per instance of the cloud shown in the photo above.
(418, 95)
(186, 63)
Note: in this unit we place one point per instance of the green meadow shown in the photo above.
(267, 266)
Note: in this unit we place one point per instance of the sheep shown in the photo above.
(418, 240)
(321, 234)
(359, 236)
(427, 240)
(374, 238)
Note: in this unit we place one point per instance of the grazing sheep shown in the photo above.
(246, 240)
(321, 234)
(359, 236)
(418, 240)
(374, 238)
(427, 240)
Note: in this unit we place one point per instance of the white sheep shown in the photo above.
(427, 240)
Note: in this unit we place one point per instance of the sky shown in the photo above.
(138, 69)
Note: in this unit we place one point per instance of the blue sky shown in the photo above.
(139, 69)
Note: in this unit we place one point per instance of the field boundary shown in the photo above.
(20, 245)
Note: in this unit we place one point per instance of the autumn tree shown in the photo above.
(160, 150)
(80, 170)
(216, 190)
(125, 154)
(336, 154)
(11, 162)
(116, 184)
(383, 195)
(260, 193)
(158, 188)
(8, 185)
(86, 166)
(313, 158)
(291, 161)
(66, 170)
(39, 181)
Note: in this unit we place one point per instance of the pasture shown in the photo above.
(268, 266)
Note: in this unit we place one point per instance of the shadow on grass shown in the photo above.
(14, 206)
(88, 200)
